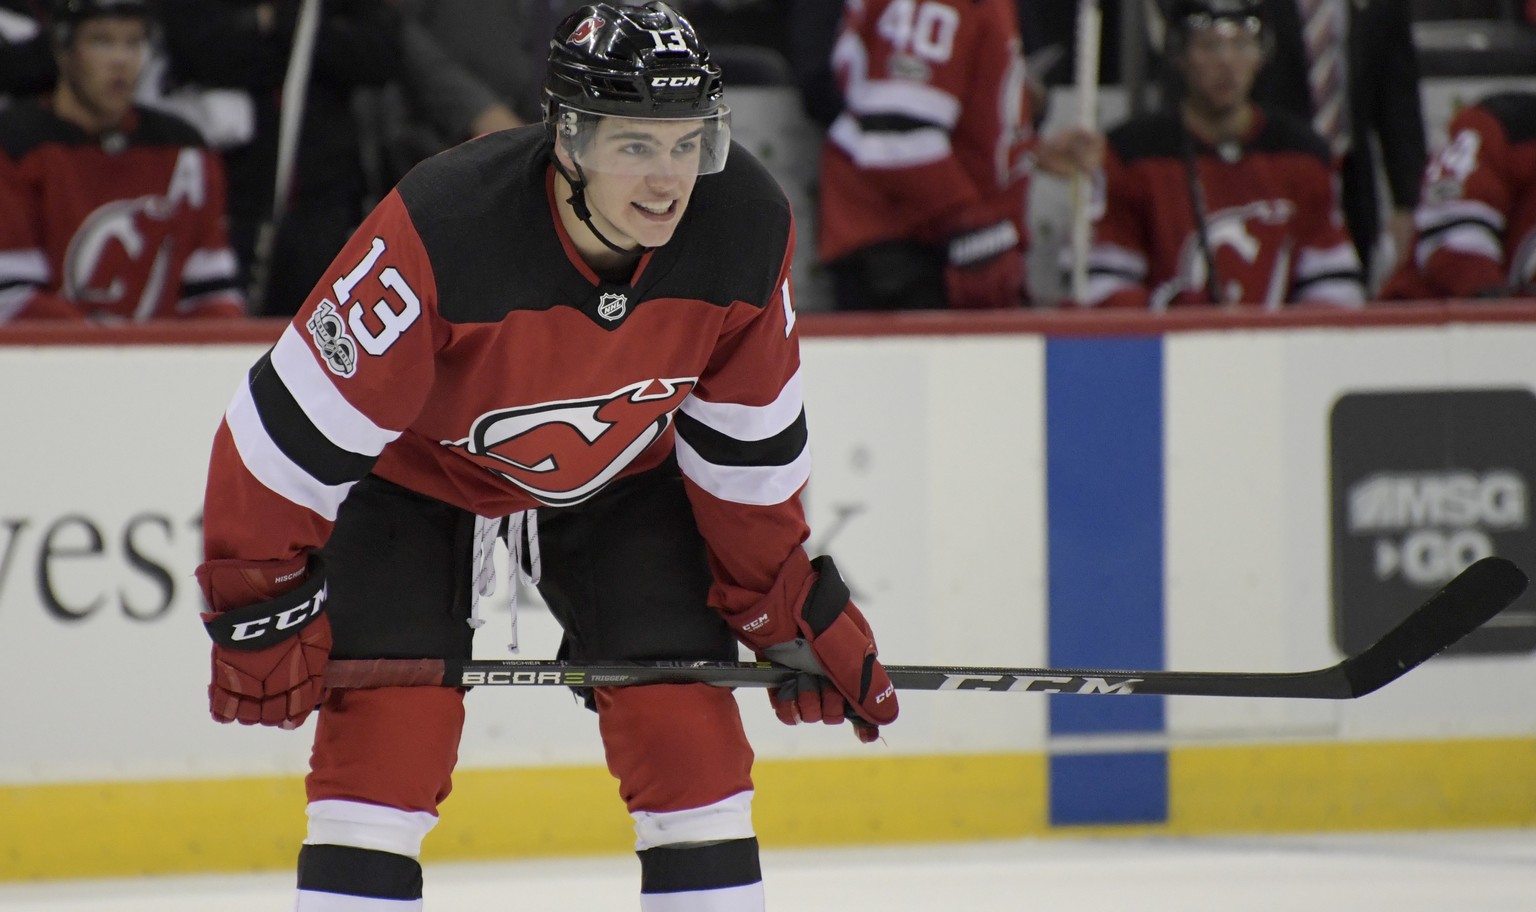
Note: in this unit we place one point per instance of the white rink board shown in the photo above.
(114, 698)
(929, 488)
(1247, 527)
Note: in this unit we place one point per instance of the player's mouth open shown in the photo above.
(659, 212)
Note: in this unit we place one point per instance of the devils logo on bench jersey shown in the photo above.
(564, 452)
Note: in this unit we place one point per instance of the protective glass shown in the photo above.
(645, 146)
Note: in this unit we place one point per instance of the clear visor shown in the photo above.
(645, 146)
(1208, 34)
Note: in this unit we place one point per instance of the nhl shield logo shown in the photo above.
(612, 306)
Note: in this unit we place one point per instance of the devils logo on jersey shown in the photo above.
(121, 243)
(564, 452)
(1240, 238)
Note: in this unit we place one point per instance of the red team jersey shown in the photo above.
(1272, 220)
(936, 124)
(460, 347)
(130, 226)
(1476, 219)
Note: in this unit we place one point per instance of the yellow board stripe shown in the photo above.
(185, 826)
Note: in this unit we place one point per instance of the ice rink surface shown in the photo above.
(1421, 872)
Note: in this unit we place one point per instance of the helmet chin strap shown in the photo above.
(578, 202)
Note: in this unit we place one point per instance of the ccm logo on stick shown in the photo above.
(1071, 685)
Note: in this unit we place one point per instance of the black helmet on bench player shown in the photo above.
(636, 62)
(1186, 17)
(66, 14)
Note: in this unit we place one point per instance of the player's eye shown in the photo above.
(685, 148)
(637, 149)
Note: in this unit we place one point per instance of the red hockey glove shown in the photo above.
(814, 628)
(271, 639)
(986, 268)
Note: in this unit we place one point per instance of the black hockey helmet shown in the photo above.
(632, 61)
(66, 14)
(1188, 16)
(641, 62)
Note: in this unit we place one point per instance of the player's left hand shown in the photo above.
(816, 629)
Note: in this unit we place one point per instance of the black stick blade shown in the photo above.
(1467, 602)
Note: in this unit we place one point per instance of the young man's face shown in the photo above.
(1220, 64)
(640, 175)
(102, 62)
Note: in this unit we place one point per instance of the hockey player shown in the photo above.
(1218, 200)
(924, 174)
(1476, 220)
(109, 211)
(586, 326)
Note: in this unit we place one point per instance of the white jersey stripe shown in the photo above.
(755, 485)
(908, 99)
(1342, 292)
(24, 266)
(1101, 286)
(1313, 261)
(270, 466)
(324, 405)
(749, 422)
(208, 264)
(1469, 238)
(1113, 258)
(1430, 216)
(889, 149)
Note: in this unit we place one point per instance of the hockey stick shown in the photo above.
(1468, 601)
(1089, 31)
(290, 119)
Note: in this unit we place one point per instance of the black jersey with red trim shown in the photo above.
(1270, 208)
(1475, 224)
(460, 347)
(129, 225)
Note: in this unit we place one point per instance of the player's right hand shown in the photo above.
(271, 639)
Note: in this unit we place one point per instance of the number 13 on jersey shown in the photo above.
(393, 319)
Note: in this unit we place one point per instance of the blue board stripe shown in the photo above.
(1102, 789)
(1104, 495)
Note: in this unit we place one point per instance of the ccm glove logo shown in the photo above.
(271, 622)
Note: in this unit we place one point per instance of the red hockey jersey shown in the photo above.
(459, 346)
(936, 124)
(1475, 226)
(1272, 220)
(126, 226)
